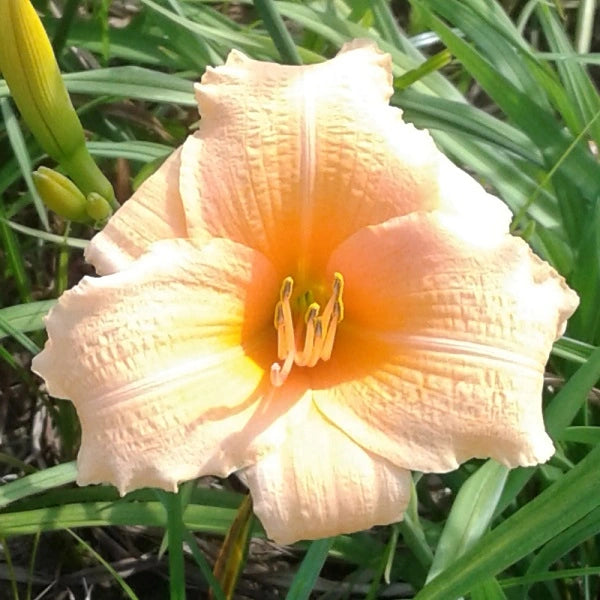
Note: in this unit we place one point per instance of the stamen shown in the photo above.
(303, 357)
(285, 294)
(278, 373)
(280, 326)
(338, 288)
(318, 343)
(336, 316)
(319, 331)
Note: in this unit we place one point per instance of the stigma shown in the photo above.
(305, 335)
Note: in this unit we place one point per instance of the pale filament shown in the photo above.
(319, 330)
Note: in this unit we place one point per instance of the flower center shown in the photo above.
(311, 338)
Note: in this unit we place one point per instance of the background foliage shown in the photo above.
(505, 89)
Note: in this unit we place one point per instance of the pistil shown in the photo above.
(317, 331)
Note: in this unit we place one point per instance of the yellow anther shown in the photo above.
(338, 285)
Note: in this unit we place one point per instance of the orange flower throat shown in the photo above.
(311, 338)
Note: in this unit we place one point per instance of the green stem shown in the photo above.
(62, 31)
(175, 531)
(88, 177)
(277, 30)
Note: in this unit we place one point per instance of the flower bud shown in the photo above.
(61, 195)
(98, 209)
(30, 69)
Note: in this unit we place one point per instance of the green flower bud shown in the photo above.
(98, 209)
(30, 69)
(61, 195)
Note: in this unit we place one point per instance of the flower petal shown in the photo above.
(153, 213)
(165, 363)
(468, 210)
(442, 352)
(320, 483)
(291, 160)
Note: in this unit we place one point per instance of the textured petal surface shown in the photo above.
(165, 363)
(320, 483)
(442, 352)
(291, 160)
(153, 213)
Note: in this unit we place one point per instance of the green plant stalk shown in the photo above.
(124, 586)
(309, 570)
(585, 25)
(62, 31)
(175, 532)
(10, 568)
(33, 552)
(213, 584)
(277, 30)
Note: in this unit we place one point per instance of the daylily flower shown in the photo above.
(307, 292)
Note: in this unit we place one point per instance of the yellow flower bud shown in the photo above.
(30, 69)
(61, 195)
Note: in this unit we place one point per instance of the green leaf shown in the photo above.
(470, 516)
(17, 142)
(246, 40)
(575, 161)
(309, 570)
(122, 583)
(61, 240)
(439, 113)
(37, 483)
(581, 435)
(558, 415)
(585, 323)
(432, 64)
(204, 566)
(132, 150)
(585, 529)
(572, 349)
(581, 91)
(488, 590)
(20, 337)
(566, 404)
(172, 503)
(128, 82)
(14, 258)
(561, 505)
(26, 317)
(277, 30)
(209, 519)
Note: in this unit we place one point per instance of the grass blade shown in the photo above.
(470, 516)
(309, 570)
(565, 502)
(22, 155)
(277, 30)
(37, 483)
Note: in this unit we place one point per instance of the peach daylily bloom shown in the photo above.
(309, 293)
